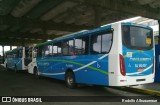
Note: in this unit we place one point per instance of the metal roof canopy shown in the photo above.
(33, 21)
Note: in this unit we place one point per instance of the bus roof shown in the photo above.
(78, 34)
(134, 24)
(86, 32)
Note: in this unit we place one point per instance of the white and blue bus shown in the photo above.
(119, 54)
(16, 59)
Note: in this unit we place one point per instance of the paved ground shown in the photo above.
(151, 86)
(23, 84)
(17, 84)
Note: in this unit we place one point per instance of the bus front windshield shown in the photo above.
(137, 37)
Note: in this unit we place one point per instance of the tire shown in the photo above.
(36, 73)
(70, 80)
(7, 67)
(15, 69)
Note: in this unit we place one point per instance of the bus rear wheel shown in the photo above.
(70, 80)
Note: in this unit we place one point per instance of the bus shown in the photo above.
(17, 59)
(119, 54)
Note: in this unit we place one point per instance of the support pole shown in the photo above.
(10, 47)
(159, 32)
(3, 53)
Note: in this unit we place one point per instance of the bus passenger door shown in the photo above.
(56, 58)
(32, 56)
(47, 59)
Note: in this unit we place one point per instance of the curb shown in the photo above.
(145, 91)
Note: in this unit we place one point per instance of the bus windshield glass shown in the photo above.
(137, 37)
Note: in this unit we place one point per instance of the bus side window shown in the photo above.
(101, 43)
(43, 51)
(59, 49)
(47, 50)
(96, 44)
(50, 50)
(65, 48)
(81, 45)
(71, 47)
(55, 49)
(78, 46)
(106, 42)
(85, 43)
(40, 51)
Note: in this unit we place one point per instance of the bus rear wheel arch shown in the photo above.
(70, 79)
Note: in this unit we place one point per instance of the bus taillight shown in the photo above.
(122, 65)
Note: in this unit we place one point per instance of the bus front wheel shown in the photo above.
(70, 80)
(36, 73)
(7, 67)
(15, 69)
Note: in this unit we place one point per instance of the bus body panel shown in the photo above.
(114, 70)
(139, 66)
(132, 77)
(93, 70)
(14, 62)
(18, 63)
(10, 62)
(137, 62)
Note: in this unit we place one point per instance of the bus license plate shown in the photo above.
(140, 70)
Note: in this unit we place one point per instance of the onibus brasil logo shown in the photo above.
(20, 99)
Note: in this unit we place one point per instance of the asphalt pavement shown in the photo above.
(24, 84)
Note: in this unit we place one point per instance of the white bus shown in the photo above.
(120, 54)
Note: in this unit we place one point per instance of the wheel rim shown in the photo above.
(70, 80)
